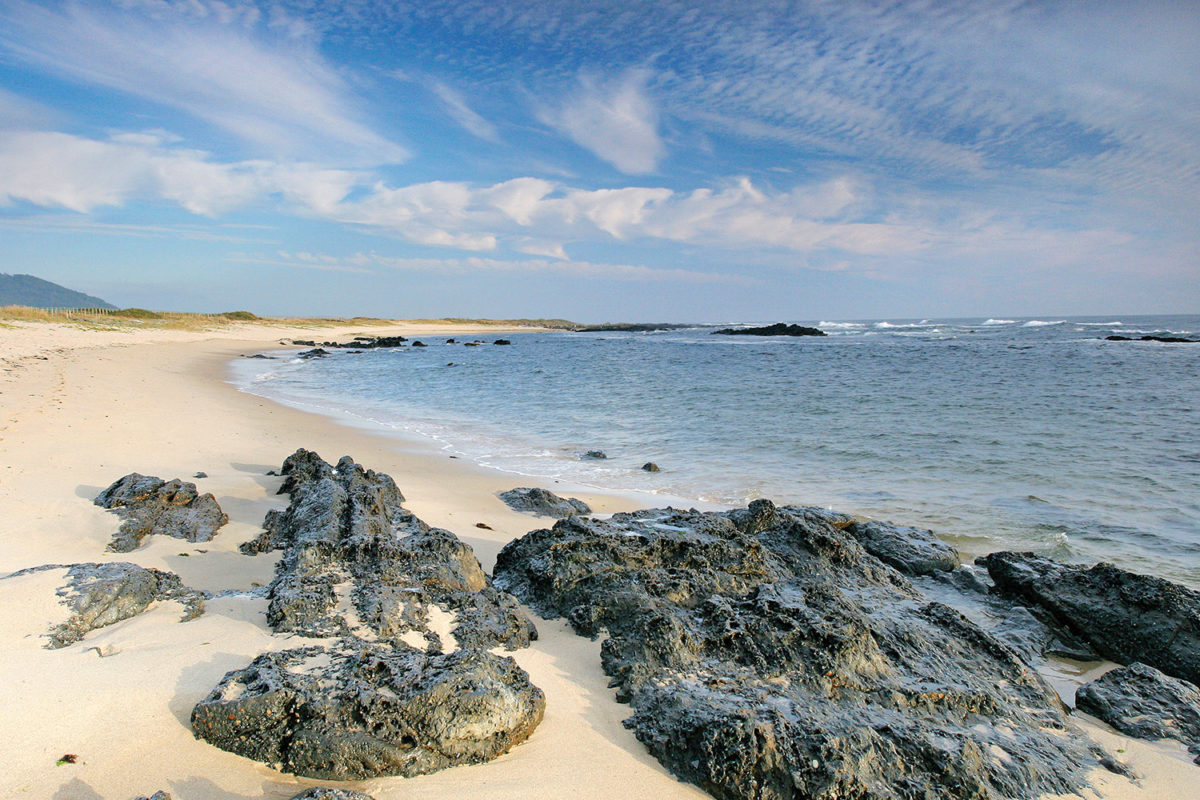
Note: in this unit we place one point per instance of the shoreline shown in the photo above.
(83, 409)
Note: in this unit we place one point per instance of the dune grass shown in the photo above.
(176, 320)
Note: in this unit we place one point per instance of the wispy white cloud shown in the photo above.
(83, 225)
(456, 106)
(211, 60)
(18, 112)
(617, 121)
(53, 169)
(361, 262)
(823, 223)
(355, 265)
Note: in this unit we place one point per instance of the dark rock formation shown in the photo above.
(778, 329)
(1141, 701)
(373, 342)
(151, 505)
(1153, 338)
(323, 793)
(358, 343)
(199, 475)
(650, 466)
(1126, 617)
(595, 454)
(102, 594)
(370, 710)
(502, 341)
(394, 695)
(419, 343)
(634, 327)
(318, 352)
(767, 655)
(543, 503)
(159, 795)
(349, 545)
(911, 550)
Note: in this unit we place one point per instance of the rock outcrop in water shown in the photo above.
(409, 686)
(1141, 701)
(778, 329)
(911, 550)
(543, 503)
(767, 655)
(1153, 338)
(1126, 617)
(150, 506)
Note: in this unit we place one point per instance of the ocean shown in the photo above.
(997, 434)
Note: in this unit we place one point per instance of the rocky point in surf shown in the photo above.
(767, 654)
(404, 681)
(1125, 616)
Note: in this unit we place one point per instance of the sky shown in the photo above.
(606, 161)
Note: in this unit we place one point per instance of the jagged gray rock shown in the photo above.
(349, 546)
(911, 550)
(409, 687)
(102, 594)
(1141, 701)
(1126, 617)
(324, 793)
(543, 503)
(159, 795)
(767, 655)
(355, 713)
(150, 505)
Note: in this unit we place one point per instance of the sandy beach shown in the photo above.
(81, 408)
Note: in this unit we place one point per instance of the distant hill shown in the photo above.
(26, 290)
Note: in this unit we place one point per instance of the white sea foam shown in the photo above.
(1041, 323)
(922, 324)
(824, 324)
(999, 322)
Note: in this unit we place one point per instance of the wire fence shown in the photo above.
(69, 311)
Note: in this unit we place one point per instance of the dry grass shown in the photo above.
(142, 318)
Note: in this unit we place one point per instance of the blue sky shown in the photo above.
(606, 160)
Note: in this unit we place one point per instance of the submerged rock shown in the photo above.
(543, 503)
(911, 550)
(151, 505)
(1126, 617)
(1141, 701)
(370, 710)
(650, 466)
(595, 454)
(410, 686)
(767, 655)
(102, 594)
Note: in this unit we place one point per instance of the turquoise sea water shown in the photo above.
(997, 434)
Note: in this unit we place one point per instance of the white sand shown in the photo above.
(79, 409)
